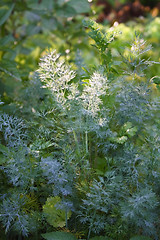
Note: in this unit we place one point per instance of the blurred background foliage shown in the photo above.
(30, 27)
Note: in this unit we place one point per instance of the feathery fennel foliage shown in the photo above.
(89, 157)
(13, 130)
(16, 216)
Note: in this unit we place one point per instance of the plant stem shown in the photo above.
(95, 157)
(86, 137)
(89, 233)
(90, 228)
(66, 218)
(76, 141)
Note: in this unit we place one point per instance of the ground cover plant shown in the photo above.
(80, 155)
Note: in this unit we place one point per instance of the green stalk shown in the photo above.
(66, 218)
(76, 141)
(66, 215)
(90, 150)
(86, 138)
(95, 157)
(89, 233)
(90, 228)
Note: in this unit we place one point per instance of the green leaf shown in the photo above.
(54, 216)
(59, 236)
(10, 68)
(140, 238)
(40, 144)
(158, 87)
(43, 5)
(100, 238)
(66, 11)
(3, 149)
(100, 165)
(61, 2)
(129, 130)
(2, 159)
(5, 40)
(119, 140)
(48, 5)
(156, 80)
(21, 6)
(49, 24)
(81, 6)
(5, 12)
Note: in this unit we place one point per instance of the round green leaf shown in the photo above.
(59, 236)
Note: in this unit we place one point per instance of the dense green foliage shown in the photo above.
(79, 137)
(29, 27)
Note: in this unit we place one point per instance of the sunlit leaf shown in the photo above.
(56, 217)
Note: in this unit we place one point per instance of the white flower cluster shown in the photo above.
(56, 75)
(93, 90)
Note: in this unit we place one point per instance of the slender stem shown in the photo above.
(66, 212)
(90, 150)
(86, 137)
(90, 228)
(89, 233)
(76, 141)
(95, 158)
(66, 216)
(7, 236)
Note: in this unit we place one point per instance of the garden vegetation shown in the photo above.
(80, 143)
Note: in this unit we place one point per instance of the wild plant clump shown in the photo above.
(86, 162)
